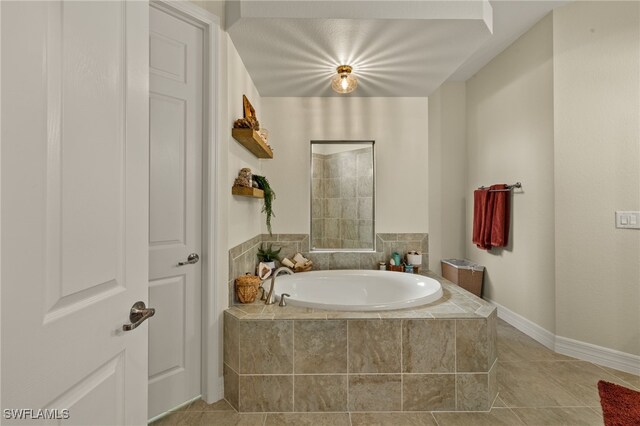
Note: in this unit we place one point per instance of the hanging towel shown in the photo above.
(487, 225)
(480, 201)
(499, 234)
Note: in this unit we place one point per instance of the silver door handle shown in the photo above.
(191, 259)
(139, 313)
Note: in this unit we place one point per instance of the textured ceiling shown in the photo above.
(406, 48)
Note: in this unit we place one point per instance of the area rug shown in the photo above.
(620, 406)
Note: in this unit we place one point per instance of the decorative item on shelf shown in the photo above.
(247, 288)
(301, 263)
(269, 196)
(408, 268)
(249, 119)
(382, 266)
(396, 268)
(267, 255)
(244, 178)
(396, 258)
(344, 82)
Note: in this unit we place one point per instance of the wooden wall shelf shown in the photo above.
(251, 140)
(243, 191)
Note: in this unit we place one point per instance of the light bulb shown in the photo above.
(344, 81)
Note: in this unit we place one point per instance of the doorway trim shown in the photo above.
(211, 382)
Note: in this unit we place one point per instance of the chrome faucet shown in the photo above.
(270, 299)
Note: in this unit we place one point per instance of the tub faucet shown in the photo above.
(270, 299)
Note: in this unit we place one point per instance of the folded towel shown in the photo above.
(480, 201)
(499, 235)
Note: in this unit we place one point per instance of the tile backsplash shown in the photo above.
(243, 257)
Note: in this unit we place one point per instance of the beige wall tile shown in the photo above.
(320, 393)
(428, 392)
(266, 393)
(231, 344)
(472, 392)
(472, 348)
(428, 346)
(320, 346)
(231, 386)
(266, 347)
(374, 346)
(380, 392)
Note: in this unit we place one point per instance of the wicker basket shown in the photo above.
(247, 288)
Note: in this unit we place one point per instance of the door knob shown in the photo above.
(191, 259)
(139, 313)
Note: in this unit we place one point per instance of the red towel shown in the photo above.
(480, 201)
(491, 217)
(500, 217)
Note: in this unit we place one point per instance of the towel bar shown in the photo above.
(509, 187)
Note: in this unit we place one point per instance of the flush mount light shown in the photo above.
(344, 82)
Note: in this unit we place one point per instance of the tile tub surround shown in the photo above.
(437, 357)
(243, 257)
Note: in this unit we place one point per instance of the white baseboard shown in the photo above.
(530, 328)
(598, 355)
(606, 357)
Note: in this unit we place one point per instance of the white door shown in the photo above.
(74, 189)
(175, 107)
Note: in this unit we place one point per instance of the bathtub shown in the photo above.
(357, 290)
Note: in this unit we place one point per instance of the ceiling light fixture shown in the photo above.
(345, 81)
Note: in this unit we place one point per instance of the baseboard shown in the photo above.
(530, 328)
(581, 350)
(598, 355)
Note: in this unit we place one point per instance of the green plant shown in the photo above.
(268, 254)
(269, 196)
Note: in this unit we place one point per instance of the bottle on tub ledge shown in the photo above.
(414, 258)
(395, 263)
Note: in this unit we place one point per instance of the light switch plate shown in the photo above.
(628, 219)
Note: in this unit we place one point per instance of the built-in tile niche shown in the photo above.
(342, 198)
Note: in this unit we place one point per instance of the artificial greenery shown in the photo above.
(269, 196)
(268, 254)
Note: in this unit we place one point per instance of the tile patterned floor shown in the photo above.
(536, 387)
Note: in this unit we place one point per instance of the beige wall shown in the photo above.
(245, 220)
(399, 128)
(447, 173)
(597, 167)
(510, 138)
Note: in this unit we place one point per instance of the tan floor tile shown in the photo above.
(308, 419)
(497, 417)
(579, 378)
(392, 419)
(630, 379)
(523, 384)
(560, 416)
(515, 346)
(220, 418)
(499, 403)
(169, 420)
(201, 405)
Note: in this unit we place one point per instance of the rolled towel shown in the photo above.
(299, 258)
(286, 262)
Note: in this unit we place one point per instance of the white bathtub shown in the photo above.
(357, 290)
